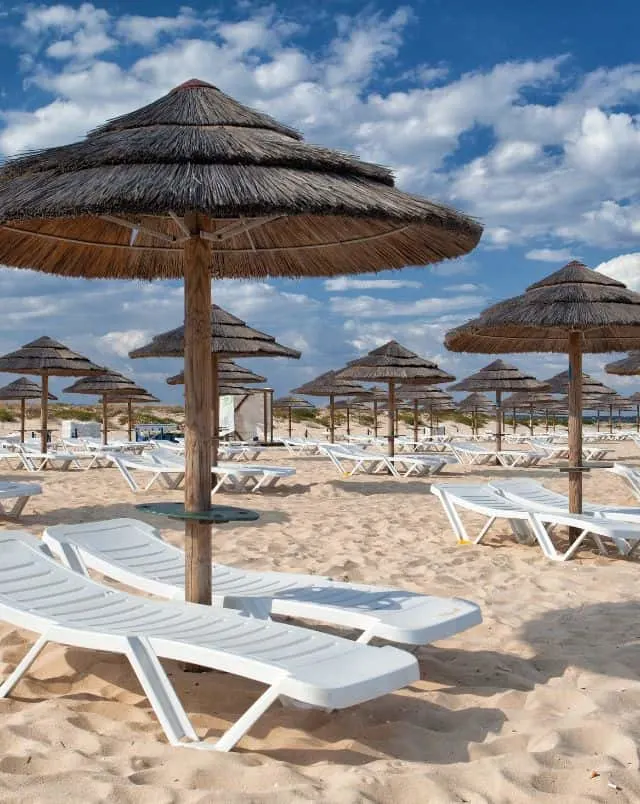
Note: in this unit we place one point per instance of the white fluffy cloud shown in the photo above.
(376, 307)
(559, 255)
(625, 268)
(348, 283)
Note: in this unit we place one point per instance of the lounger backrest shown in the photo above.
(477, 496)
(530, 491)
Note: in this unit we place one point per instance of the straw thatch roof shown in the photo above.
(329, 384)
(111, 383)
(559, 384)
(46, 356)
(628, 365)
(228, 372)
(614, 400)
(408, 393)
(635, 398)
(392, 361)
(230, 336)
(475, 401)
(138, 399)
(23, 389)
(291, 402)
(573, 299)
(525, 399)
(198, 150)
(499, 376)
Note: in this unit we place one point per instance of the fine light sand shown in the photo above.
(529, 706)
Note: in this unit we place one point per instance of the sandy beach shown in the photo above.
(538, 702)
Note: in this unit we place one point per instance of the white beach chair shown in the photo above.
(519, 459)
(130, 466)
(134, 553)
(526, 522)
(630, 473)
(21, 492)
(534, 495)
(310, 667)
(415, 465)
(350, 460)
(249, 477)
(472, 454)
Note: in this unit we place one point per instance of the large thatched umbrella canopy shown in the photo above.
(475, 403)
(393, 364)
(109, 384)
(575, 310)
(228, 372)
(23, 389)
(44, 358)
(498, 377)
(290, 403)
(197, 185)
(629, 365)
(329, 384)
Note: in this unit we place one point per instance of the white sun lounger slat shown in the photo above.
(526, 522)
(310, 667)
(134, 553)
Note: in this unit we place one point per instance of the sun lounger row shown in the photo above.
(351, 460)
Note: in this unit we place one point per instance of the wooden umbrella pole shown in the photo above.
(611, 418)
(44, 413)
(598, 420)
(198, 401)
(271, 415)
(498, 421)
(104, 420)
(130, 419)
(348, 422)
(531, 419)
(474, 422)
(289, 421)
(431, 420)
(637, 418)
(265, 418)
(546, 420)
(575, 427)
(392, 419)
(513, 422)
(332, 422)
(23, 415)
(375, 418)
(415, 419)
(215, 409)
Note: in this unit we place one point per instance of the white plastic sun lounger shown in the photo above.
(524, 521)
(21, 492)
(472, 454)
(170, 474)
(249, 477)
(534, 495)
(343, 456)
(313, 668)
(134, 553)
(519, 458)
(630, 473)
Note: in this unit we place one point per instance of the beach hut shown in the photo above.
(574, 310)
(46, 358)
(499, 377)
(290, 403)
(393, 363)
(475, 403)
(197, 185)
(329, 385)
(23, 389)
(110, 384)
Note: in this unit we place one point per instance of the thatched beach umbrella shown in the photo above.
(610, 401)
(635, 399)
(575, 310)
(432, 399)
(197, 185)
(230, 336)
(290, 403)
(475, 403)
(531, 400)
(228, 372)
(45, 358)
(23, 389)
(328, 384)
(109, 384)
(498, 377)
(131, 398)
(393, 364)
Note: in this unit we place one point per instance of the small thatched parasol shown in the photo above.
(533, 400)
(629, 365)
(228, 372)
(197, 185)
(109, 384)
(23, 389)
(635, 399)
(43, 358)
(230, 337)
(132, 399)
(499, 376)
(611, 401)
(432, 398)
(475, 403)
(329, 384)
(290, 403)
(575, 310)
(393, 363)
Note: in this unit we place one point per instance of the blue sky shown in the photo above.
(524, 115)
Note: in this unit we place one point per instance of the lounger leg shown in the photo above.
(366, 636)
(544, 540)
(159, 691)
(33, 653)
(485, 530)
(18, 508)
(455, 521)
(246, 721)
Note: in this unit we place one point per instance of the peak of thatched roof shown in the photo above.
(475, 401)
(291, 402)
(111, 383)
(573, 299)
(229, 336)
(559, 384)
(46, 356)
(228, 372)
(392, 361)
(72, 209)
(23, 389)
(329, 384)
(628, 365)
(499, 376)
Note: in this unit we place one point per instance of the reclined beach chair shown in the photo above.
(351, 460)
(310, 667)
(519, 459)
(21, 492)
(170, 474)
(35, 461)
(134, 553)
(249, 477)
(630, 473)
(472, 454)
(528, 524)
(412, 464)
(301, 446)
(534, 495)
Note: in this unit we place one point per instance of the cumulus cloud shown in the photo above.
(347, 283)
(375, 307)
(625, 268)
(561, 255)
